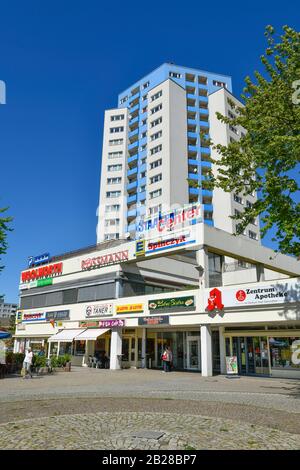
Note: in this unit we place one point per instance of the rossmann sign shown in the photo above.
(49, 270)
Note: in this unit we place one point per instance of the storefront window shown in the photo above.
(285, 353)
(65, 348)
(80, 348)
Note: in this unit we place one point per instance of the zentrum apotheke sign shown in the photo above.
(173, 220)
(105, 260)
(277, 293)
(44, 271)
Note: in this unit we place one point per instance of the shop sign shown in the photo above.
(111, 323)
(58, 315)
(99, 310)
(44, 271)
(173, 220)
(31, 317)
(105, 260)
(89, 324)
(277, 293)
(231, 365)
(38, 260)
(19, 317)
(130, 308)
(154, 320)
(178, 303)
(144, 248)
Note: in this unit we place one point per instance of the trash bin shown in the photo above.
(68, 366)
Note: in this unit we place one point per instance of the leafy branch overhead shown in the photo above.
(266, 158)
(4, 229)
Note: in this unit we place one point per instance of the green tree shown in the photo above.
(266, 158)
(4, 229)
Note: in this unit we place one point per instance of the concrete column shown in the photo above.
(144, 348)
(202, 260)
(206, 351)
(260, 272)
(222, 350)
(115, 348)
(58, 348)
(16, 348)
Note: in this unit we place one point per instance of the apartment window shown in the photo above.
(232, 139)
(143, 161)
(144, 98)
(111, 194)
(143, 147)
(112, 236)
(252, 235)
(112, 208)
(144, 122)
(249, 204)
(114, 130)
(155, 164)
(156, 96)
(208, 215)
(155, 209)
(156, 122)
(114, 180)
(143, 174)
(238, 227)
(221, 84)
(114, 167)
(144, 110)
(112, 222)
(144, 134)
(237, 213)
(233, 129)
(145, 85)
(231, 115)
(253, 221)
(116, 142)
(238, 199)
(156, 109)
(156, 193)
(175, 75)
(117, 117)
(156, 178)
(156, 149)
(123, 100)
(155, 136)
(142, 188)
(112, 155)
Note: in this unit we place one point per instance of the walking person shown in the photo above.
(28, 363)
(167, 359)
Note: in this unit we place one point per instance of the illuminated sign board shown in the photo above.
(130, 308)
(38, 260)
(105, 260)
(44, 271)
(99, 310)
(152, 321)
(175, 303)
(31, 317)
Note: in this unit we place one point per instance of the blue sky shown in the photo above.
(64, 63)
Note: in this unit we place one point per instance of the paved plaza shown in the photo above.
(148, 409)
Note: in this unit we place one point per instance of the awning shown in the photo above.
(92, 333)
(66, 336)
(4, 334)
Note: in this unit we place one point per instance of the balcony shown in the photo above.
(203, 99)
(131, 228)
(203, 91)
(143, 128)
(209, 222)
(194, 191)
(131, 214)
(132, 148)
(134, 109)
(192, 122)
(208, 207)
(142, 167)
(133, 134)
(206, 164)
(132, 186)
(191, 109)
(142, 181)
(143, 141)
(191, 101)
(204, 124)
(142, 154)
(203, 114)
(132, 172)
(134, 122)
(131, 199)
(192, 148)
(192, 135)
(207, 193)
(142, 196)
(134, 97)
(194, 176)
(141, 210)
(191, 161)
(205, 150)
(190, 78)
(132, 160)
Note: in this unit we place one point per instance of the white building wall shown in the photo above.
(108, 148)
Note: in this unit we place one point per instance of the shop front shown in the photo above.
(273, 353)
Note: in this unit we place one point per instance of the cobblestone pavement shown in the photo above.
(116, 431)
(95, 409)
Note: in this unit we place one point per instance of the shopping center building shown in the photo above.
(208, 294)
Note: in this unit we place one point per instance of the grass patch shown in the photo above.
(188, 447)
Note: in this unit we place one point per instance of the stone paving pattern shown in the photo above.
(95, 409)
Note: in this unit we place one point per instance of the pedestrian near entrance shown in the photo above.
(28, 363)
(167, 359)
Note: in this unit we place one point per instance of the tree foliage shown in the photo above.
(4, 229)
(266, 158)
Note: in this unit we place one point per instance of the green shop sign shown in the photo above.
(178, 303)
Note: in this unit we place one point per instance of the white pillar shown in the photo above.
(115, 348)
(16, 348)
(206, 351)
(202, 260)
(58, 348)
(144, 339)
(222, 350)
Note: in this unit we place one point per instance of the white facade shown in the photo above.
(7, 310)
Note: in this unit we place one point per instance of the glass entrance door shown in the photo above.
(252, 354)
(128, 351)
(193, 353)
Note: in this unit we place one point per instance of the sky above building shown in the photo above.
(64, 63)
